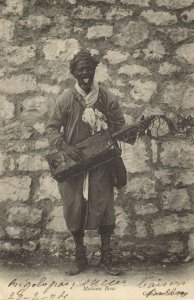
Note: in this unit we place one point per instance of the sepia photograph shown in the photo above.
(96, 149)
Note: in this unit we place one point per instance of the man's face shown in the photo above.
(84, 73)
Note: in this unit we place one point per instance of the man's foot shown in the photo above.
(106, 263)
(80, 263)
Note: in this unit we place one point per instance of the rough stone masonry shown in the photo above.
(147, 61)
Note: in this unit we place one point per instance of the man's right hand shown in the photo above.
(69, 150)
(72, 152)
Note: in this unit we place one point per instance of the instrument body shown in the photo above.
(95, 150)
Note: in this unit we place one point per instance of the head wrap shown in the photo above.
(82, 55)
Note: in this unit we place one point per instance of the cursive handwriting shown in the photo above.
(159, 287)
(37, 296)
(102, 283)
(42, 283)
(44, 289)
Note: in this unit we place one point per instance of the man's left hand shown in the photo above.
(143, 125)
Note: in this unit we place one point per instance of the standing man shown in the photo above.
(88, 199)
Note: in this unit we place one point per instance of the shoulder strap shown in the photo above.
(78, 98)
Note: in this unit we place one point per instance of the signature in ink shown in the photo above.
(151, 286)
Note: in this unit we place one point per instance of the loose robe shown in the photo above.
(67, 114)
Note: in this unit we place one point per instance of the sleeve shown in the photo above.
(117, 121)
(55, 123)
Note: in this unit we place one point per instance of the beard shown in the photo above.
(86, 83)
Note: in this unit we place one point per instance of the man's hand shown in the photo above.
(70, 151)
(143, 124)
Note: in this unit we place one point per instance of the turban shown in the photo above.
(82, 55)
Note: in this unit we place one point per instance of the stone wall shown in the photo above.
(147, 61)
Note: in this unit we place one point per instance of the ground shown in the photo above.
(139, 281)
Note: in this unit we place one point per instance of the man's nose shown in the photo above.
(84, 71)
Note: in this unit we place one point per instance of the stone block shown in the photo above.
(179, 95)
(141, 3)
(141, 231)
(188, 99)
(72, 1)
(49, 89)
(101, 74)
(9, 247)
(133, 70)
(22, 233)
(15, 188)
(177, 34)
(56, 220)
(141, 187)
(105, 1)
(188, 16)
(2, 163)
(87, 13)
(15, 131)
(35, 22)
(154, 147)
(61, 72)
(172, 224)
(191, 244)
(99, 31)
(118, 13)
(186, 53)
(62, 27)
(164, 176)
(175, 247)
(154, 51)
(19, 55)
(118, 94)
(159, 18)
(176, 200)
(15, 7)
(24, 215)
(135, 157)
(34, 106)
(7, 109)
(145, 209)
(18, 84)
(16, 147)
(48, 189)
(137, 53)
(137, 32)
(122, 221)
(142, 90)
(93, 51)
(115, 57)
(41, 144)
(60, 49)
(168, 69)
(29, 246)
(185, 178)
(150, 111)
(32, 163)
(2, 72)
(7, 30)
(51, 244)
(178, 154)
(174, 4)
(2, 232)
(40, 127)
(11, 165)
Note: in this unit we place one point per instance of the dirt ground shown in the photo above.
(140, 281)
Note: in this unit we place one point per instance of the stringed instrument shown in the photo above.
(96, 150)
